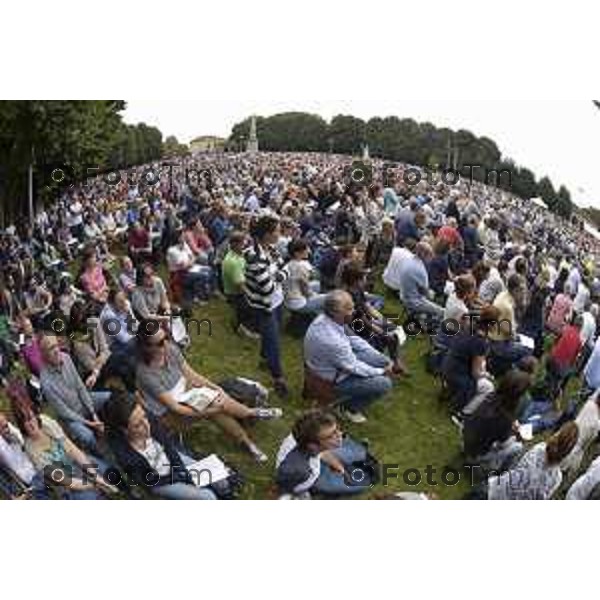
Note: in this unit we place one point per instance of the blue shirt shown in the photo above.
(330, 352)
(414, 282)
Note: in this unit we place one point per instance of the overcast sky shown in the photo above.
(558, 138)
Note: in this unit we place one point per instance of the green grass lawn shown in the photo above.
(409, 428)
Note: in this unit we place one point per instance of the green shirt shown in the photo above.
(233, 269)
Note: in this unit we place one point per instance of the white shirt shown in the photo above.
(588, 423)
(13, 456)
(581, 299)
(588, 329)
(179, 257)
(584, 486)
(74, 216)
(592, 369)
(300, 270)
(154, 453)
(391, 275)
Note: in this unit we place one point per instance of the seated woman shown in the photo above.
(31, 353)
(16, 469)
(173, 390)
(127, 276)
(315, 459)
(92, 279)
(93, 355)
(538, 475)
(38, 301)
(67, 296)
(146, 453)
(47, 447)
(560, 313)
(199, 242)
(490, 432)
(302, 294)
(197, 281)
(139, 243)
(458, 303)
(463, 368)
(367, 322)
(560, 366)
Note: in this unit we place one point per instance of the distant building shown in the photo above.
(207, 143)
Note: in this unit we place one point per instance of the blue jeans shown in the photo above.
(182, 491)
(331, 483)
(356, 393)
(269, 324)
(82, 435)
(377, 302)
(505, 354)
(198, 284)
(314, 305)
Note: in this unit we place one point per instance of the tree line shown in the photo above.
(75, 134)
(402, 140)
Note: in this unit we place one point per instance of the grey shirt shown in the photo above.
(65, 392)
(146, 302)
(153, 381)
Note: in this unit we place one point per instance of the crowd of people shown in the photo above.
(94, 294)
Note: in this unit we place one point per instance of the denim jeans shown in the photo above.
(356, 393)
(269, 324)
(82, 435)
(182, 491)
(425, 307)
(505, 354)
(198, 284)
(332, 483)
(313, 306)
(377, 302)
(501, 455)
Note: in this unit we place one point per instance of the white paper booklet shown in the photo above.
(208, 470)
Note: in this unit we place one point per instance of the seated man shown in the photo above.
(316, 458)
(391, 274)
(76, 407)
(358, 373)
(414, 283)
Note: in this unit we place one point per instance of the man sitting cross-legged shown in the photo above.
(358, 373)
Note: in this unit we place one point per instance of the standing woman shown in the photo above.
(265, 273)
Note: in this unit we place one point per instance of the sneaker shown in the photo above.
(259, 456)
(355, 417)
(249, 334)
(267, 414)
(458, 420)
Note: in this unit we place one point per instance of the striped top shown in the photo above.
(265, 272)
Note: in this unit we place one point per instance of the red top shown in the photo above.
(450, 235)
(567, 348)
(139, 238)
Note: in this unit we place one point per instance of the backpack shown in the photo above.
(248, 392)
